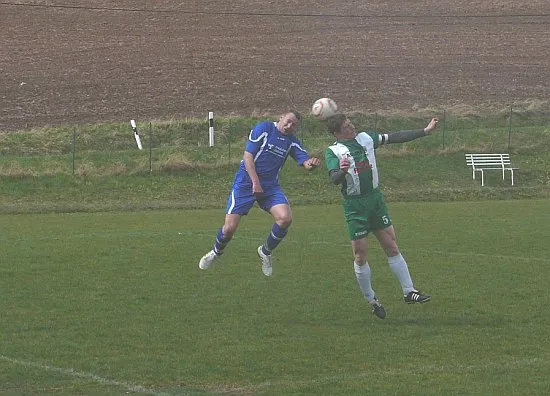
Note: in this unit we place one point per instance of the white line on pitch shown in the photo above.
(89, 376)
(431, 369)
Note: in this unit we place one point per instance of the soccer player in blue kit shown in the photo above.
(257, 180)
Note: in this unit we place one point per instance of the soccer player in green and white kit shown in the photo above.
(351, 162)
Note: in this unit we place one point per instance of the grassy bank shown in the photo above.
(99, 168)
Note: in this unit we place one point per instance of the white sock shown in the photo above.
(401, 270)
(363, 275)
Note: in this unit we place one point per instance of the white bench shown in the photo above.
(483, 162)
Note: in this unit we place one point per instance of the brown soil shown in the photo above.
(65, 62)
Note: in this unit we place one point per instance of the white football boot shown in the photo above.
(207, 260)
(267, 265)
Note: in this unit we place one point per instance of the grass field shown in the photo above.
(113, 304)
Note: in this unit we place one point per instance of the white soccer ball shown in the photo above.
(324, 108)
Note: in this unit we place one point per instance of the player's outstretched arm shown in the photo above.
(407, 136)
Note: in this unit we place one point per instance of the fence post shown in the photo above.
(510, 129)
(211, 128)
(444, 127)
(74, 146)
(229, 145)
(150, 147)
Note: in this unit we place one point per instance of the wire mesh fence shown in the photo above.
(184, 144)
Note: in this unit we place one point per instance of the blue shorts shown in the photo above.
(242, 199)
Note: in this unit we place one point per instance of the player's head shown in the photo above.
(341, 127)
(335, 123)
(289, 122)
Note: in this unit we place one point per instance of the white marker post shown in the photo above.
(211, 128)
(136, 134)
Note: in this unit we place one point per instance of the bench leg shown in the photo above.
(512, 176)
(482, 179)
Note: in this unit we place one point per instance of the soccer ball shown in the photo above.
(324, 108)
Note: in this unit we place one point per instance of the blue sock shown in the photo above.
(275, 237)
(221, 242)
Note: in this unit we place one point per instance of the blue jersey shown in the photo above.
(270, 149)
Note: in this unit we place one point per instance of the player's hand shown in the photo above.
(344, 164)
(257, 189)
(431, 126)
(312, 163)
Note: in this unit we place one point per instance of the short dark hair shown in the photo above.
(335, 122)
(296, 114)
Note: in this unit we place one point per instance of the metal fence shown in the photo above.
(172, 145)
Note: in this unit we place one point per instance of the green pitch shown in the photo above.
(114, 303)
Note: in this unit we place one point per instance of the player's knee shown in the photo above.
(392, 251)
(229, 229)
(360, 258)
(284, 221)
(283, 218)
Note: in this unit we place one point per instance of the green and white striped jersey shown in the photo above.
(362, 176)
